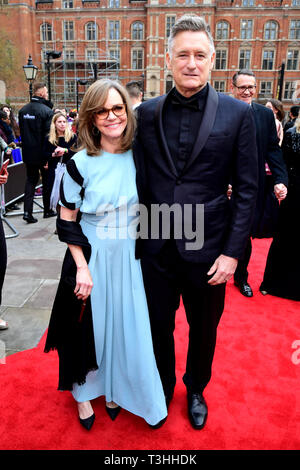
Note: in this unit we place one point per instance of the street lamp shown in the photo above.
(30, 72)
(143, 85)
(79, 82)
(53, 55)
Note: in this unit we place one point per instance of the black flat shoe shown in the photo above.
(29, 218)
(87, 423)
(197, 410)
(159, 424)
(245, 289)
(49, 214)
(113, 412)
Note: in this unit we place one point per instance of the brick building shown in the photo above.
(126, 39)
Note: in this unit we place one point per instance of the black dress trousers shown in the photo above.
(167, 277)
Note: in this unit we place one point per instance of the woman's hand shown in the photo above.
(59, 152)
(84, 283)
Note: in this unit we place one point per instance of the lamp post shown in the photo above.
(143, 85)
(79, 82)
(52, 55)
(30, 72)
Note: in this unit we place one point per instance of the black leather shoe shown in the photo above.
(50, 214)
(29, 218)
(245, 289)
(113, 412)
(87, 423)
(197, 410)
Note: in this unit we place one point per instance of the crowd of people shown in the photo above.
(113, 317)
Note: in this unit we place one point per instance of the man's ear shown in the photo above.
(168, 60)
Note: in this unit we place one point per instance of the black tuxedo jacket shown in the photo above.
(224, 150)
(268, 150)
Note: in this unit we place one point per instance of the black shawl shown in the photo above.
(70, 329)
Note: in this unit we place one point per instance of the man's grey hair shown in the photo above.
(190, 23)
(242, 72)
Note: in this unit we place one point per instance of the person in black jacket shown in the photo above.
(268, 151)
(58, 145)
(3, 254)
(34, 121)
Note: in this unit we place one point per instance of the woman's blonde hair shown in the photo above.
(89, 137)
(297, 125)
(53, 137)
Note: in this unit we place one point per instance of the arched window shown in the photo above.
(222, 30)
(91, 31)
(169, 83)
(271, 29)
(46, 32)
(137, 30)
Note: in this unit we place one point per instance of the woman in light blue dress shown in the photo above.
(106, 196)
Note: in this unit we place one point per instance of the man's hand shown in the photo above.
(223, 269)
(280, 191)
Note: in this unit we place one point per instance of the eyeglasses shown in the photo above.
(242, 89)
(117, 109)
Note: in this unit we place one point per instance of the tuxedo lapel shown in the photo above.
(206, 126)
(161, 134)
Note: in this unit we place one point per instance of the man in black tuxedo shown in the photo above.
(268, 151)
(189, 144)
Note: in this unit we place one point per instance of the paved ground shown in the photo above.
(33, 269)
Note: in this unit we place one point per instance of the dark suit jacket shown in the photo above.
(224, 150)
(268, 150)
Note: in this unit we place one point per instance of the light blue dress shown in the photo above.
(127, 371)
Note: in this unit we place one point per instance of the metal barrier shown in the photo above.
(10, 193)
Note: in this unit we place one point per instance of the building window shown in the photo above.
(268, 60)
(70, 89)
(221, 59)
(289, 89)
(271, 28)
(46, 32)
(170, 21)
(245, 59)
(171, 2)
(68, 30)
(295, 29)
(169, 83)
(295, 3)
(292, 62)
(137, 31)
(114, 3)
(114, 54)
(67, 4)
(114, 29)
(137, 59)
(265, 88)
(91, 31)
(190, 2)
(91, 55)
(69, 58)
(247, 3)
(222, 30)
(246, 29)
(219, 85)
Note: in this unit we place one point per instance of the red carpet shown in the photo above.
(253, 397)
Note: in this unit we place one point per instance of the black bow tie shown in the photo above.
(192, 104)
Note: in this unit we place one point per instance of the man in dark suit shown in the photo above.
(189, 144)
(268, 151)
(34, 121)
